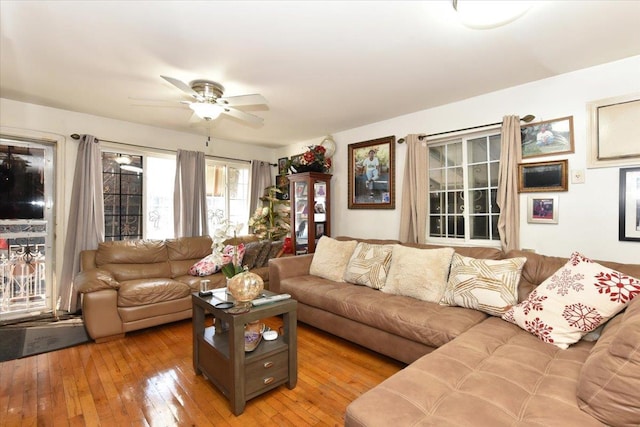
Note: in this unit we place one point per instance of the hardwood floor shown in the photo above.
(147, 379)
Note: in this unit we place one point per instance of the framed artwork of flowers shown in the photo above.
(372, 174)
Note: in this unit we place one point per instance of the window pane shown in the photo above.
(436, 156)
(22, 177)
(436, 202)
(131, 184)
(479, 201)
(455, 226)
(110, 183)
(436, 180)
(160, 179)
(435, 226)
(454, 178)
(494, 227)
(477, 150)
(494, 147)
(480, 227)
(454, 154)
(493, 173)
(478, 176)
(122, 196)
(494, 203)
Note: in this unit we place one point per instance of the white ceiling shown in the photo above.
(324, 66)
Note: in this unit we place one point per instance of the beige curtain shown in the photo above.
(190, 195)
(261, 178)
(508, 198)
(415, 192)
(85, 228)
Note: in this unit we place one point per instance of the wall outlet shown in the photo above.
(577, 176)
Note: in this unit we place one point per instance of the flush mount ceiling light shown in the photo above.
(123, 159)
(206, 110)
(489, 14)
(131, 168)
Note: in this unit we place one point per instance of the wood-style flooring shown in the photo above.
(147, 379)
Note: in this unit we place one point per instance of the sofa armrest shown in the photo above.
(286, 267)
(100, 314)
(95, 280)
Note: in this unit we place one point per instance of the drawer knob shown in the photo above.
(268, 380)
(267, 365)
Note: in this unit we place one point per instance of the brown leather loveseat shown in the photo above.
(135, 284)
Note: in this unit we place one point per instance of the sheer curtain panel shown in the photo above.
(508, 198)
(260, 179)
(189, 195)
(85, 228)
(415, 191)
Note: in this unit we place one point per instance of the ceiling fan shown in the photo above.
(209, 102)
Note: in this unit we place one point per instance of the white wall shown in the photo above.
(35, 121)
(588, 216)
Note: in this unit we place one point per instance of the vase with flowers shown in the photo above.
(242, 284)
(312, 160)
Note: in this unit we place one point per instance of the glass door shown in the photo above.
(26, 227)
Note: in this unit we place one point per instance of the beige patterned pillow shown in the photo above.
(331, 258)
(483, 284)
(369, 265)
(418, 273)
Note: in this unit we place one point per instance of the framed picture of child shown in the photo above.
(543, 210)
(371, 178)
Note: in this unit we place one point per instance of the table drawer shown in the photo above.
(266, 372)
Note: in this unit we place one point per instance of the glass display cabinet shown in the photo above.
(309, 193)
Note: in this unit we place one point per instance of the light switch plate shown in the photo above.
(577, 176)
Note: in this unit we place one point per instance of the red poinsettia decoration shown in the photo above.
(314, 158)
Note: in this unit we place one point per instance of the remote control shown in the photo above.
(267, 300)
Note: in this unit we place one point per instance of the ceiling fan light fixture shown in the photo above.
(480, 14)
(206, 110)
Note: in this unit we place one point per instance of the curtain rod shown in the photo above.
(76, 136)
(526, 119)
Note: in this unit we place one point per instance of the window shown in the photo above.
(159, 179)
(122, 186)
(227, 194)
(463, 182)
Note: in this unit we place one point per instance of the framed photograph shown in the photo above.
(371, 178)
(547, 138)
(282, 183)
(543, 177)
(629, 217)
(282, 165)
(319, 230)
(613, 131)
(542, 210)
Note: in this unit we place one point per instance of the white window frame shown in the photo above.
(467, 240)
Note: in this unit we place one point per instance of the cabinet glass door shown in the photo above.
(301, 222)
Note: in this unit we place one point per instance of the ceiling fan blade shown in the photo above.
(233, 101)
(183, 87)
(243, 116)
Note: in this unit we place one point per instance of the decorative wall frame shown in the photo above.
(371, 178)
(282, 183)
(547, 138)
(543, 176)
(629, 213)
(543, 210)
(613, 131)
(282, 165)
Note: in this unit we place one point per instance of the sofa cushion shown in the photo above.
(369, 265)
(150, 291)
(253, 250)
(494, 374)
(187, 248)
(427, 323)
(574, 301)
(418, 273)
(131, 252)
(486, 285)
(331, 258)
(609, 384)
(213, 263)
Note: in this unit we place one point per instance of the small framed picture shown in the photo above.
(629, 216)
(282, 165)
(282, 184)
(543, 210)
(543, 177)
(319, 230)
(547, 138)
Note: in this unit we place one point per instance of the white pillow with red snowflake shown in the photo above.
(577, 299)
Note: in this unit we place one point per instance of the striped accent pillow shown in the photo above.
(486, 285)
(369, 265)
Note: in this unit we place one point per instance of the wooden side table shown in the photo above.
(219, 355)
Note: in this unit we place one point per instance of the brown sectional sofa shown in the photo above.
(468, 368)
(134, 284)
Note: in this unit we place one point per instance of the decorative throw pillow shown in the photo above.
(211, 263)
(331, 258)
(483, 284)
(418, 273)
(369, 265)
(252, 252)
(575, 300)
